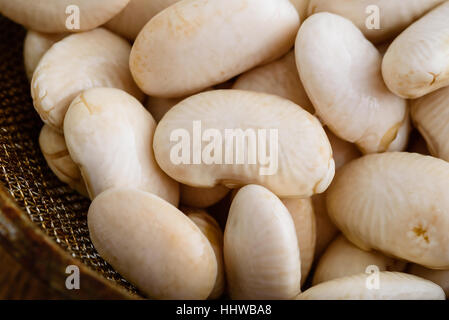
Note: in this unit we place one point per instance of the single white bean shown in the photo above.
(301, 166)
(202, 197)
(340, 70)
(57, 16)
(131, 20)
(280, 78)
(153, 244)
(416, 63)
(396, 203)
(55, 152)
(440, 277)
(303, 217)
(109, 135)
(379, 20)
(96, 58)
(210, 228)
(262, 257)
(342, 259)
(430, 115)
(192, 44)
(35, 46)
(392, 286)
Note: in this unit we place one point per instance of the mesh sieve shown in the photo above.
(54, 207)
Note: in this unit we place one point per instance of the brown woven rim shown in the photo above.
(40, 255)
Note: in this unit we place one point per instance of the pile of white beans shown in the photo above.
(350, 193)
